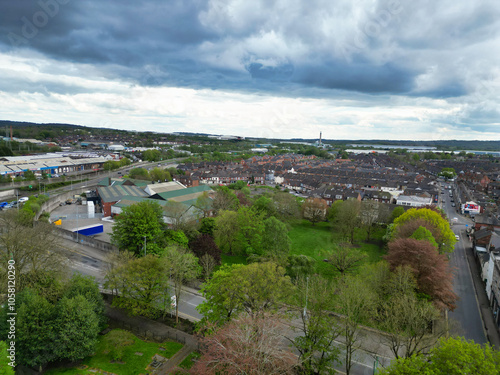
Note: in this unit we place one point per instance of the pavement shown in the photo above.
(489, 325)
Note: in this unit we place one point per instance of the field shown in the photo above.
(136, 355)
(317, 241)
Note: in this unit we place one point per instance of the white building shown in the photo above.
(413, 201)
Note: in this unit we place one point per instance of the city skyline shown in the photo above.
(283, 69)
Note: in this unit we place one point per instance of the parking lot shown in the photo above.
(75, 216)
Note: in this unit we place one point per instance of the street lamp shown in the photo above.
(307, 289)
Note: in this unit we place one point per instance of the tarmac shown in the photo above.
(489, 325)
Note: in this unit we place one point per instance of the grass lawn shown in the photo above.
(233, 259)
(129, 364)
(188, 362)
(317, 241)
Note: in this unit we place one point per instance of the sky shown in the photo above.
(351, 69)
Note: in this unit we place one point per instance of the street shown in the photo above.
(465, 319)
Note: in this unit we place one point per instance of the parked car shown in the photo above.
(457, 237)
(3, 204)
(23, 199)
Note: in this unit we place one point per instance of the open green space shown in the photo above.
(317, 241)
(116, 352)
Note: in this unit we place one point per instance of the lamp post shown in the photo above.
(307, 290)
(144, 245)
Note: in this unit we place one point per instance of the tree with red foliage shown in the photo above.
(205, 244)
(246, 346)
(430, 268)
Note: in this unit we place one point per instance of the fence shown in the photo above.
(87, 241)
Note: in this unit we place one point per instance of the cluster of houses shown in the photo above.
(361, 178)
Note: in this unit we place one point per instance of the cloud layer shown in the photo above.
(364, 69)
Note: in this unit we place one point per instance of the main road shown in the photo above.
(466, 318)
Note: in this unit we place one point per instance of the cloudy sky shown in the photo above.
(353, 69)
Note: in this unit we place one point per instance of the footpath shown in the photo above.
(484, 304)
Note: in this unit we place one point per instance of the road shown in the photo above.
(466, 317)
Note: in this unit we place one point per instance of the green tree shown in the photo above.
(204, 204)
(35, 331)
(207, 226)
(250, 232)
(5, 368)
(139, 173)
(356, 302)
(264, 205)
(143, 219)
(450, 356)
(224, 200)
(397, 212)
(182, 267)
(285, 205)
(345, 258)
(77, 327)
(424, 234)
(299, 265)
(444, 235)
(141, 284)
(253, 289)
(275, 240)
(158, 174)
(29, 175)
(316, 345)
(151, 155)
(86, 286)
(226, 231)
(346, 218)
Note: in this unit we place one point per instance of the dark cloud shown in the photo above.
(280, 47)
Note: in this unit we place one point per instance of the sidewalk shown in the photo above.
(490, 327)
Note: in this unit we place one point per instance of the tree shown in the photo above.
(356, 302)
(430, 268)
(86, 286)
(158, 174)
(205, 245)
(224, 200)
(369, 213)
(247, 346)
(299, 265)
(314, 210)
(264, 205)
(151, 155)
(34, 249)
(204, 204)
(143, 219)
(208, 264)
(222, 296)
(226, 231)
(176, 214)
(345, 258)
(250, 232)
(397, 212)
(254, 289)
(182, 267)
(275, 241)
(423, 234)
(450, 356)
(207, 226)
(346, 218)
(139, 173)
(319, 329)
(5, 367)
(142, 285)
(35, 331)
(77, 328)
(443, 234)
(285, 205)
